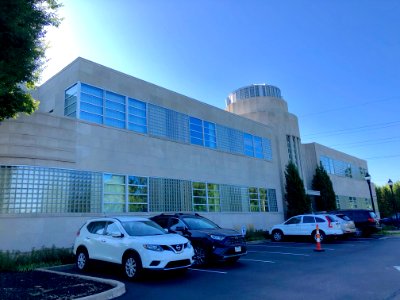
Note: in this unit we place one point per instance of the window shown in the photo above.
(248, 145)
(254, 199)
(319, 220)
(114, 110)
(137, 115)
(112, 229)
(71, 96)
(210, 139)
(308, 219)
(206, 197)
(96, 227)
(293, 220)
(114, 193)
(91, 104)
(196, 131)
(137, 194)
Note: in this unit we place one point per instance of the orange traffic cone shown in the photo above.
(318, 248)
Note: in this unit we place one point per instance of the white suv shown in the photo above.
(305, 225)
(135, 243)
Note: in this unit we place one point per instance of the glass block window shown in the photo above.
(289, 148)
(210, 138)
(137, 194)
(234, 198)
(114, 114)
(196, 131)
(230, 140)
(71, 99)
(137, 116)
(168, 124)
(267, 149)
(114, 193)
(272, 201)
(170, 195)
(258, 148)
(38, 190)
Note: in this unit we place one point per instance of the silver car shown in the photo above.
(346, 224)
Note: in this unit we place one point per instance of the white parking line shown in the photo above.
(308, 248)
(258, 260)
(283, 253)
(209, 271)
(397, 268)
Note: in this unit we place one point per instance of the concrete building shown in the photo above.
(105, 143)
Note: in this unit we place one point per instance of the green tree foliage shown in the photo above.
(321, 182)
(385, 199)
(296, 199)
(22, 53)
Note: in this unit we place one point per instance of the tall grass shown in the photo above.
(26, 261)
(254, 234)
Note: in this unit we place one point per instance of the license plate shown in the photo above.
(238, 249)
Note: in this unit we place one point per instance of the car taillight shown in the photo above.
(329, 221)
(371, 220)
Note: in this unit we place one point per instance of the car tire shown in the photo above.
(132, 266)
(82, 260)
(322, 236)
(359, 233)
(277, 236)
(200, 255)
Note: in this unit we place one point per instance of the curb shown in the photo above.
(116, 291)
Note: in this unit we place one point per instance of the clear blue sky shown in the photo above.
(337, 63)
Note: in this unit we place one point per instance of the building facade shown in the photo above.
(105, 143)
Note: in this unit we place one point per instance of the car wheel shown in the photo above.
(359, 233)
(82, 260)
(277, 235)
(200, 255)
(322, 236)
(132, 266)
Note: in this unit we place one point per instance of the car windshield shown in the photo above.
(199, 223)
(142, 228)
(344, 217)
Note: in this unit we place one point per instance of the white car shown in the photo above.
(347, 225)
(135, 243)
(305, 225)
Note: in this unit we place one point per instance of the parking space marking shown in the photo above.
(307, 248)
(397, 268)
(209, 271)
(283, 253)
(258, 260)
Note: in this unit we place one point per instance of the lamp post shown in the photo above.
(390, 183)
(368, 179)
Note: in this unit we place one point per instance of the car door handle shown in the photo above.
(103, 241)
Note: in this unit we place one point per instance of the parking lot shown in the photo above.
(364, 268)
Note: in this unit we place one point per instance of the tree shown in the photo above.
(322, 183)
(22, 52)
(385, 199)
(296, 198)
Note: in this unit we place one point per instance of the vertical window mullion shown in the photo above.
(78, 102)
(126, 193)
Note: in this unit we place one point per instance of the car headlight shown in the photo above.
(189, 245)
(217, 237)
(153, 247)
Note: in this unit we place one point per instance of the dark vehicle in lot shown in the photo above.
(392, 220)
(210, 242)
(365, 220)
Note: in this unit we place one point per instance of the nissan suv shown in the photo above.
(210, 242)
(135, 243)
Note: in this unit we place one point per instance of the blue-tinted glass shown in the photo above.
(137, 128)
(137, 112)
(209, 131)
(91, 108)
(257, 142)
(258, 154)
(196, 141)
(137, 120)
(71, 91)
(196, 134)
(248, 139)
(115, 114)
(136, 103)
(91, 90)
(115, 97)
(91, 117)
(91, 99)
(115, 106)
(196, 128)
(210, 144)
(209, 125)
(114, 123)
(196, 121)
(70, 111)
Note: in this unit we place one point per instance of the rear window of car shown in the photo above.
(319, 220)
(308, 219)
(96, 227)
(343, 217)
